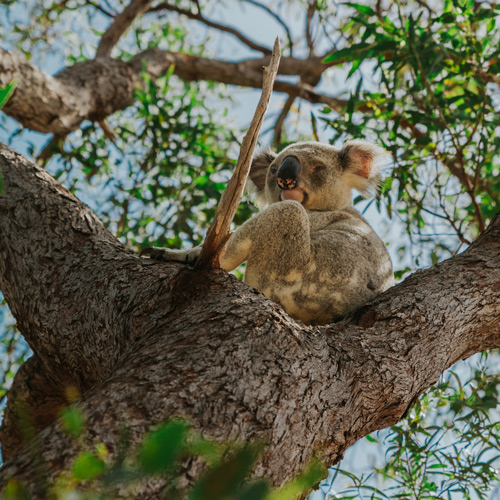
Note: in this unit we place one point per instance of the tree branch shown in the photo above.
(198, 16)
(58, 104)
(96, 89)
(311, 9)
(218, 232)
(49, 282)
(278, 126)
(72, 233)
(120, 25)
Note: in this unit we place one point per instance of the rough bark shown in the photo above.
(144, 340)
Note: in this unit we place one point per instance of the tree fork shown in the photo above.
(143, 341)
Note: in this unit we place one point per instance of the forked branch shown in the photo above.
(218, 232)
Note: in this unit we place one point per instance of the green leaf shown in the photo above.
(73, 421)
(355, 65)
(348, 53)
(224, 481)
(161, 448)
(6, 92)
(314, 126)
(88, 466)
(308, 480)
(15, 490)
(363, 9)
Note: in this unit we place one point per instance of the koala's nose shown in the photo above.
(288, 173)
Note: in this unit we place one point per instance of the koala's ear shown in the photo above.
(362, 163)
(258, 169)
(256, 183)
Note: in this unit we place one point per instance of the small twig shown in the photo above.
(277, 18)
(218, 232)
(278, 127)
(101, 9)
(310, 13)
(451, 220)
(222, 27)
(52, 147)
(198, 8)
(108, 131)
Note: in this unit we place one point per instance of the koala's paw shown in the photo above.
(158, 254)
(167, 254)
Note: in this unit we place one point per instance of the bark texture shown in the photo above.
(141, 340)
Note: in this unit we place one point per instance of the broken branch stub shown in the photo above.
(218, 232)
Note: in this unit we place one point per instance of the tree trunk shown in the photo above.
(138, 341)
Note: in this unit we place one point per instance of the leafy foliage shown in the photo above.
(432, 100)
(164, 451)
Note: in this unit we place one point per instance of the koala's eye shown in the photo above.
(318, 168)
(274, 170)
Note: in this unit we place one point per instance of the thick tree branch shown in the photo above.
(61, 266)
(96, 89)
(58, 104)
(203, 345)
(198, 16)
(120, 25)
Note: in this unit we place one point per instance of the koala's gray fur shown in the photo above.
(309, 249)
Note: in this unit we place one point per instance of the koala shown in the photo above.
(308, 249)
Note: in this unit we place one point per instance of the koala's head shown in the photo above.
(317, 175)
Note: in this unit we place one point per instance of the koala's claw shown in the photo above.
(155, 253)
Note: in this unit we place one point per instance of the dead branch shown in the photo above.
(218, 232)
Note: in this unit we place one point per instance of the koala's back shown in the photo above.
(346, 265)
